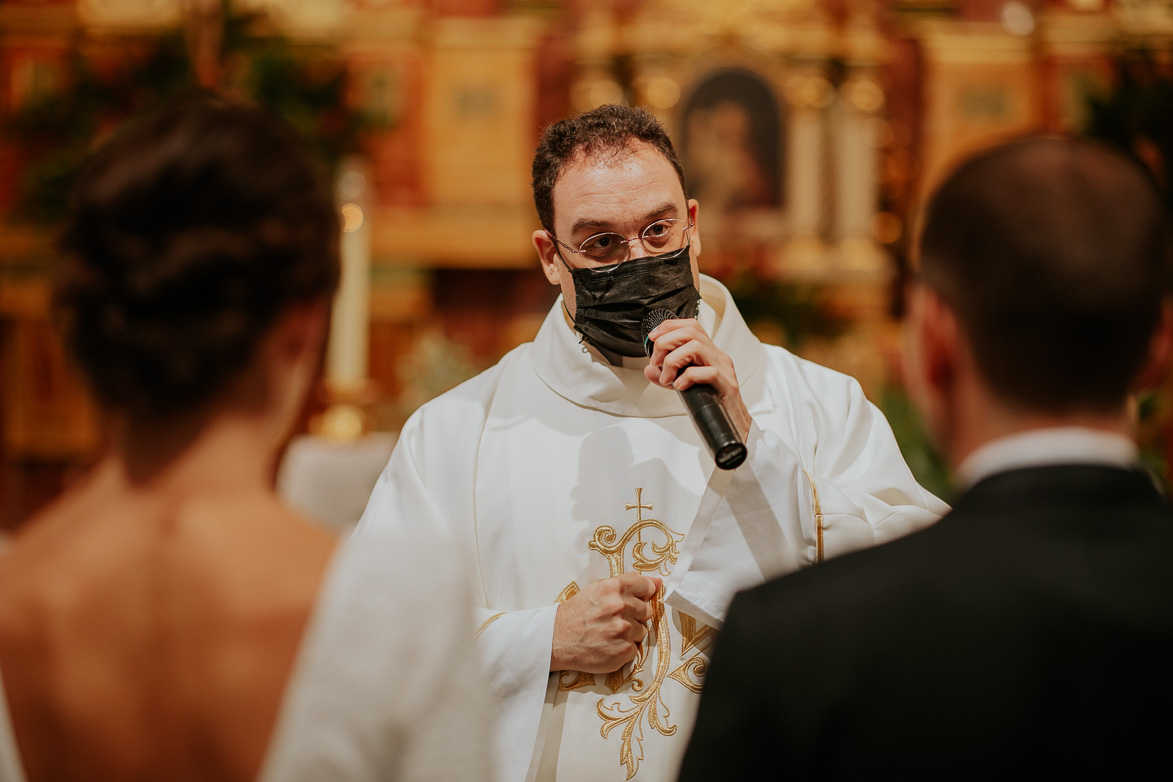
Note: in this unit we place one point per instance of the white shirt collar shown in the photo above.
(1037, 447)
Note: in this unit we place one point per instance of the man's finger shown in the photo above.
(690, 354)
(700, 375)
(638, 633)
(670, 339)
(670, 325)
(643, 587)
(638, 609)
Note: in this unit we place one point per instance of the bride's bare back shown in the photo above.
(152, 637)
(150, 619)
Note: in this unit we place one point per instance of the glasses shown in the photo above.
(605, 249)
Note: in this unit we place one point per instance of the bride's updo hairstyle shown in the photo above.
(188, 234)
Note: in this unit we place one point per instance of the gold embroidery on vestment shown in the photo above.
(696, 666)
(570, 591)
(691, 635)
(655, 556)
(648, 702)
(582, 680)
(488, 622)
(818, 517)
(608, 543)
(651, 557)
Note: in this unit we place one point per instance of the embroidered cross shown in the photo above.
(640, 701)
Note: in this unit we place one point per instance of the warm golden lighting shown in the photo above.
(342, 423)
(883, 134)
(902, 166)
(1017, 18)
(662, 93)
(352, 218)
(810, 91)
(605, 91)
(866, 95)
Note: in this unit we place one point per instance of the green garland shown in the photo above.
(54, 132)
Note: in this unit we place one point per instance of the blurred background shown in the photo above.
(810, 131)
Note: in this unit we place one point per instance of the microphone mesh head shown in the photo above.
(652, 319)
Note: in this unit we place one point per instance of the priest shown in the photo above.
(605, 544)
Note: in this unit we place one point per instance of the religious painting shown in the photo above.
(731, 134)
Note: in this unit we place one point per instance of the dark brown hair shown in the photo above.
(1053, 252)
(607, 129)
(188, 234)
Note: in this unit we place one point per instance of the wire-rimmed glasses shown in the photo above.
(609, 248)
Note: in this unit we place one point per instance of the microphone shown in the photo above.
(709, 416)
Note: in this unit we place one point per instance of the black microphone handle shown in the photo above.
(708, 415)
(714, 425)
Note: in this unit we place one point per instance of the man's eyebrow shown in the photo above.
(664, 210)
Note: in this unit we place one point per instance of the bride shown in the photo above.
(169, 618)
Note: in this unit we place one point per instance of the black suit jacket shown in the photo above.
(1029, 631)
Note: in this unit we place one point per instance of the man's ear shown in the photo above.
(694, 236)
(547, 254)
(938, 340)
(1155, 370)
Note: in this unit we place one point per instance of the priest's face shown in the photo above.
(621, 193)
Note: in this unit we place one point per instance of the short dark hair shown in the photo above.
(188, 233)
(611, 129)
(1053, 251)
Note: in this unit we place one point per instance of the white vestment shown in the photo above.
(556, 469)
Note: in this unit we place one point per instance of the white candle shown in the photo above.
(346, 356)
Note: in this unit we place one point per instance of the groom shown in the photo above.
(1031, 630)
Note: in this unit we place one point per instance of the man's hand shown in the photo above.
(596, 630)
(685, 356)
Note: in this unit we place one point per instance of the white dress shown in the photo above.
(386, 676)
(555, 468)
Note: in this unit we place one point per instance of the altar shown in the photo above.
(330, 480)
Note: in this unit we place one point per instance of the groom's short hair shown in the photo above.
(1053, 252)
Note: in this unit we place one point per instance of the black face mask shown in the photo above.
(610, 302)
